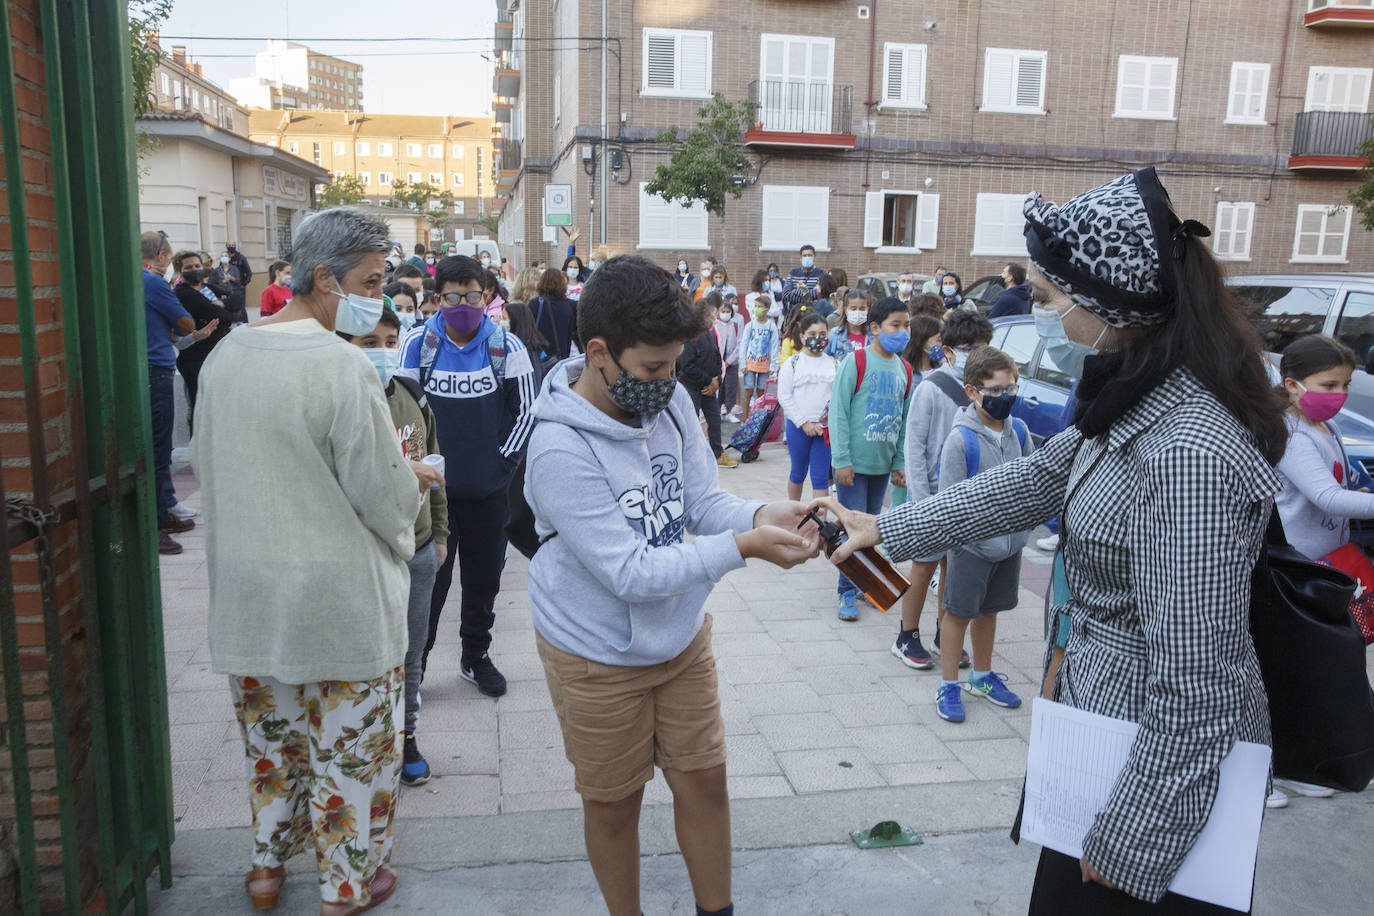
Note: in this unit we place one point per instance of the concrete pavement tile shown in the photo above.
(223, 803)
(786, 609)
(442, 711)
(749, 755)
(916, 688)
(982, 721)
(821, 652)
(196, 741)
(771, 699)
(656, 791)
(540, 801)
(469, 753)
(758, 786)
(899, 743)
(451, 796)
(197, 677)
(905, 774)
(758, 589)
(522, 696)
(856, 709)
(828, 769)
(790, 631)
(535, 770)
(230, 763)
(518, 666)
(187, 706)
(1028, 654)
(533, 729)
(806, 731)
(178, 639)
(737, 718)
(757, 669)
(992, 758)
(201, 655)
(736, 620)
(725, 645)
(828, 679)
(868, 638)
(186, 779)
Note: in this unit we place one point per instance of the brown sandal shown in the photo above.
(265, 901)
(382, 886)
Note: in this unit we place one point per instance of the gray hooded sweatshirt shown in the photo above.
(927, 427)
(994, 448)
(620, 584)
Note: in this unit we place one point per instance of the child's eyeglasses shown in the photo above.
(998, 390)
(472, 298)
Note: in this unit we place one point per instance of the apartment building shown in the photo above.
(905, 136)
(291, 75)
(180, 85)
(450, 152)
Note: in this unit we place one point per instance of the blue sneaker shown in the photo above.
(948, 703)
(847, 609)
(994, 688)
(414, 769)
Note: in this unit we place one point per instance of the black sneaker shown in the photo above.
(483, 673)
(909, 649)
(414, 769)
(963, 656)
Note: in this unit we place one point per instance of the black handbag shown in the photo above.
(1312, 658)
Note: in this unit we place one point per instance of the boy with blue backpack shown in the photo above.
(983, 578)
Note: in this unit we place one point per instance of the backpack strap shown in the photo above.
(416, 392)
(496, 352)
(907, 366)
(946, 383)
(973, 452)
(1022, 433)
(860, 364)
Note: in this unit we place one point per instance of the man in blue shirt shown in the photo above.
(802, 281)
(1015, 299)
(165, 319)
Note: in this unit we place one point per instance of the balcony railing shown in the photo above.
(1341, 13)
(506, 81)
(803, 106)
(504, 32)
(1330, 139)
(507, 156)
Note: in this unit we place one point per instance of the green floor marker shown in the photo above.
(885, 834)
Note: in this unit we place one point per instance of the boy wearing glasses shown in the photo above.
(480, 383)
(983, 578)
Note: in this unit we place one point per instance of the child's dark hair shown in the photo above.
(397, 288)
(716, 301)
(984, 363)
(880, 310)
(1315, 353)
(630, 300)
(388, 318)
(923, 327)
(522, 326)
(403, 271)
(964, 328)
(801, 320)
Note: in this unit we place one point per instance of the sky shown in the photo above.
(435, 72)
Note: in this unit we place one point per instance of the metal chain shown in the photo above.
(41, 519)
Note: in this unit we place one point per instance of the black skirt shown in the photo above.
(1059, 891)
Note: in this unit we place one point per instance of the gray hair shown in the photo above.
(152, 244)
(337, 238)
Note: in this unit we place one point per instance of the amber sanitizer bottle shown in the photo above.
(870, 571)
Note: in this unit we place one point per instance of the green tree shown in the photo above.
(1363, 196)
(145, 19)
(709, 160)
(346, 190)
(437, 205)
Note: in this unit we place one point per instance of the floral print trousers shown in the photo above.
(323, 765)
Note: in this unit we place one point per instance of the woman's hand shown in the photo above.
(862, 528)
(1092, 875)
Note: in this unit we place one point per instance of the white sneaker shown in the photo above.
(736, 413)
(1305, 789)
(1276, 799)
(182, 511)
(1049, 544)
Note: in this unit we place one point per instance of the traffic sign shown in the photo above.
(558, 205)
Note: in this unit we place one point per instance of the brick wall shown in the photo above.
(19, 475)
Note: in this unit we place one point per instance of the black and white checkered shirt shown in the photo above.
(1164, 525)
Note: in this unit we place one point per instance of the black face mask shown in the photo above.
(641, 397)
(999, 407)
(193, 277)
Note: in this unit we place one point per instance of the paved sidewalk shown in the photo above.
(826, 732)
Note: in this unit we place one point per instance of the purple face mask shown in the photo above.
(464, 319)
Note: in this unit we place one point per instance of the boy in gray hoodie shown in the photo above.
(618, 473)
(983, 578)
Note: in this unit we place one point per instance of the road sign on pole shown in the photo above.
(558, 205)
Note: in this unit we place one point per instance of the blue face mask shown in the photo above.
(959, 359)
(385, 361)
(894, 341)
(937, 355)
(1067, 354)
(807, 261)
(407, 320)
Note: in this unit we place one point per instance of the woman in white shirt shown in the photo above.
(804, 384)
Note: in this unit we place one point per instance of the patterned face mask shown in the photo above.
(641, 397)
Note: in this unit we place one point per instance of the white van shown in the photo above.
(474, 247)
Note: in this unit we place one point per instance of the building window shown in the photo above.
(458, 208)
(412, 177)
(1014, 81)
(176, 94)
(384, 149)
(796, 86)
(363, 148)
(457, 151)
(1322, 234)
(1249, 93)
(674, 226)
(340, 173)
(339, 147)
(904, 76)
(1235, 225)
(1145, 87)
(166, 84)
(677, 63)
(365, 177)
(384, 178)
(436, 179)
(293, 147)
(457, 179)
(794, 216)
(195, 98)
(999, 226)
(1338, 89)
(413, 150)
(435, 151)
(315, 153)
(900, 222)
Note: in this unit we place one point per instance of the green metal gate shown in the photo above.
(91, 121)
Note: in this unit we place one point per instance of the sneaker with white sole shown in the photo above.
(1276, 799)
(1049, 544)
(909, 649)
(993, 688)
(846, 609)
(1305, 789)
(181, 510)
(482, 672)
(948, 704)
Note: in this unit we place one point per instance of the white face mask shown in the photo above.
(356, 314)
(385, 360)
(593, 265)
(486, 262)
(407, 320)
(904, 288)
(572, 272)
(284, 280)
(224, 259)
(429, 260)
(682, 267)
(856, 317)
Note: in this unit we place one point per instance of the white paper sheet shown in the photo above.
(1074, 761)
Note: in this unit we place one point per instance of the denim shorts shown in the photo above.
(752, 381)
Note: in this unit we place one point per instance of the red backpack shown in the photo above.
(860, 363)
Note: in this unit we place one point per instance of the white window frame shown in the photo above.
(1316, 73)
(688, 227)
(384, 179)
(1325, 210)
(1241, 74)
(412, 177)
(458, 179)
(438, 175)
(434, 150)
(1005, 209)
(365, 178)
(457, 151)
(1017, 55)
(685, 42)
(362, 147)
(166, 84)
(413, 150)
(458, 207)
(912, 95)
(385, 149)
(1238, 209)
(927, 221)
(340, 147)
(773, 241)
(1150, 64)
(293, 147)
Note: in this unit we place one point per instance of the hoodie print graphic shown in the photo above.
(658, 508)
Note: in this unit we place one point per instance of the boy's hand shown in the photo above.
(845, 476)
(778, 546)
(786, 514)
(443, 553)
(863, 529)
(711, 388)
(899, 478)
(427, 475)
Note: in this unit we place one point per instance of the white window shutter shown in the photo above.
(694, 64)
(813, 216)
(660, 61)
(873, 219)
(1030, 77)
(1130, 85)
(1358, 98)
(927, 220)
(894, 74)
(997, 79)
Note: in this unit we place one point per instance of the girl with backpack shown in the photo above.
(805, 382)
(852, 331)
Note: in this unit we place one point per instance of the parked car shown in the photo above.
(984, 291)
(881, 285)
